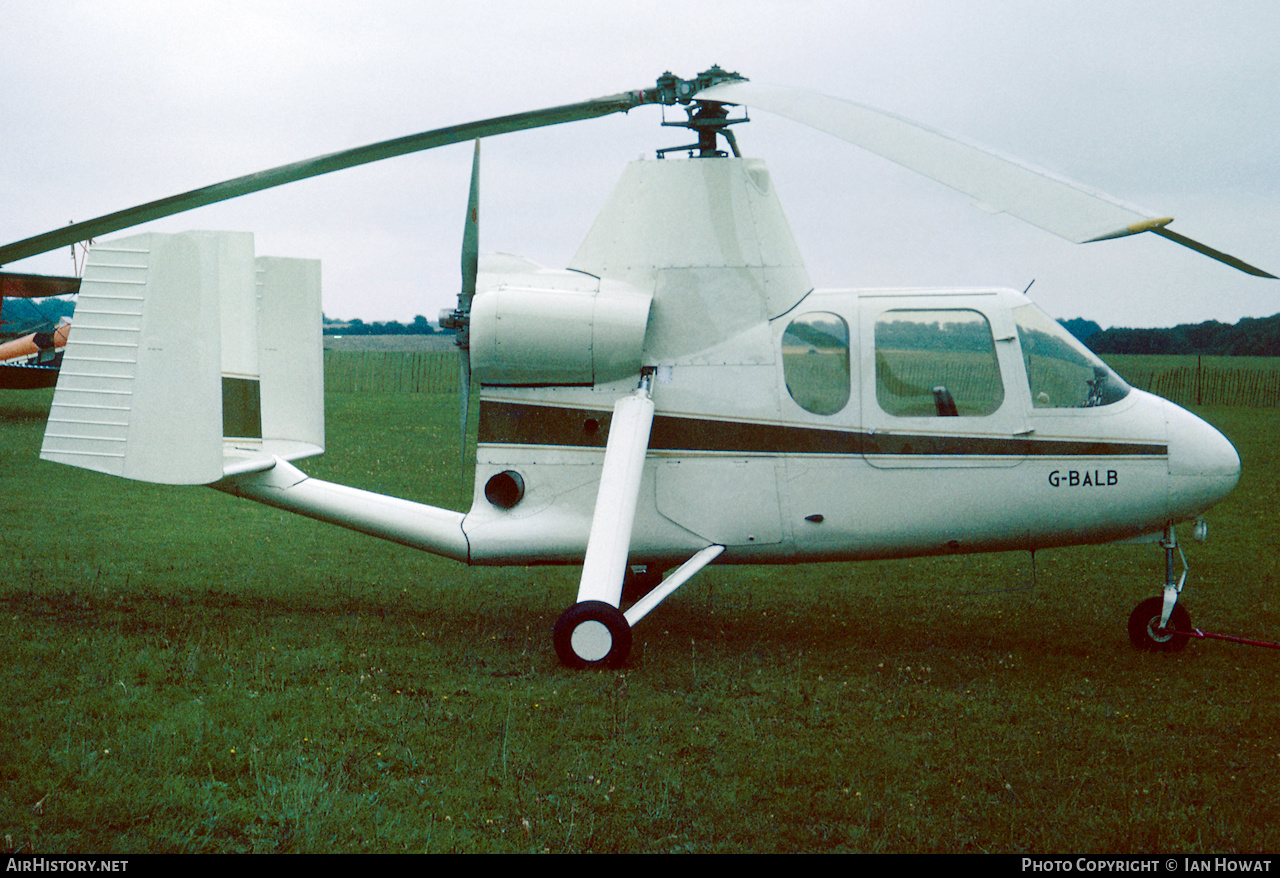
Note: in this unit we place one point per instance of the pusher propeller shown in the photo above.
(459, 319)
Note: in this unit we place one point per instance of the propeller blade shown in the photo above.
(464, 399)
(113, 222)
(998, 184)
(471, 237)
(470, 269)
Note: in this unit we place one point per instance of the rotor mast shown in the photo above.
(709, 120)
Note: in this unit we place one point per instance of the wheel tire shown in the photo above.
(1144, 624)
(592, 634)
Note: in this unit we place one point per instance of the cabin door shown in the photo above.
(939, 382)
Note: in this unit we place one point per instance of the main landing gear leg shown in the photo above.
(1161, 624)
(593, 633)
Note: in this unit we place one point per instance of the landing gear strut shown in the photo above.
(1161, 624)
(641, 579)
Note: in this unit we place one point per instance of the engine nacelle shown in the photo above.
(557, 328)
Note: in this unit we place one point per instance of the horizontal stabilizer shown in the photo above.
(189, 358)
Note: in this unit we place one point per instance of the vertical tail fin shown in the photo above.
(188, 360)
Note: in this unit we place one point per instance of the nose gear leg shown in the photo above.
(1160, 624)
(1172, 587)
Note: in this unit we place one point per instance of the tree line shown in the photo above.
(419, 326)
(21, 316)
(1251, 337)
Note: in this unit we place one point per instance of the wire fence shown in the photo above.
(1254, 382)
(391, 371)
(1209, 385)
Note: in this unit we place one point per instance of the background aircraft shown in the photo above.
(32, 359)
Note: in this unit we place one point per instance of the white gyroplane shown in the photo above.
(678, 395)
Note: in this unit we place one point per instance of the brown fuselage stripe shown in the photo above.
(506, 423)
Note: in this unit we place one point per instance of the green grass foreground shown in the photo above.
(188, 672)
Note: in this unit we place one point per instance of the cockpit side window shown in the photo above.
(1061, 371)
(938, 363)
(815, 362)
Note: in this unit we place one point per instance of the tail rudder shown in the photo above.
(191, 359)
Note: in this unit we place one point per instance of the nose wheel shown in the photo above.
(1146, 634)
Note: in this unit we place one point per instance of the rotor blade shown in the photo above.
(314, 167)
(36, 286)
(998, 184)
(1211, 253)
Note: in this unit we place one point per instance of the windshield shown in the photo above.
(1062, 372)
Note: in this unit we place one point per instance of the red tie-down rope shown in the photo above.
(1196, 632)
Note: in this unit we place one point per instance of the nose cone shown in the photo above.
(1203, 464)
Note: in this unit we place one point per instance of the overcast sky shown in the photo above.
(1173, 106)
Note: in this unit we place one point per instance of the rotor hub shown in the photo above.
(709, 120)
(671, 89)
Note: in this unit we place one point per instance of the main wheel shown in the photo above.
(1144, 627)
(592, 634)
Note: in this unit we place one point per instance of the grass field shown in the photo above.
(188, 672)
